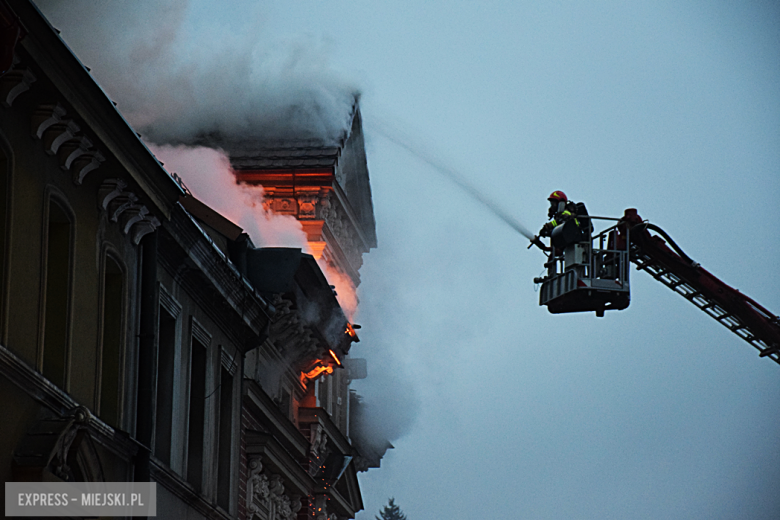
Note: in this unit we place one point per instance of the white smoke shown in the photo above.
(346, 293)
(178, 78)
(207, 174)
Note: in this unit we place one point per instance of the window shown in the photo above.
(285, 401)
(225, 438)
(166, 357)
(197, 417)
(57, 295)
(111, 351)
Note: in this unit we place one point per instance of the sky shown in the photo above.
(497, 408)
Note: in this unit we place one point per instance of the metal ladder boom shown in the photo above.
(732, 309)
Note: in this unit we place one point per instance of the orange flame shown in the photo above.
(351, 331)
(335, 357)
(315, 372)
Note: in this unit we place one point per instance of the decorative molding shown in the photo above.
(57, 134)
(169, 303)
(228, 361)
(121, 203)
(108, 191)
(307, 201)
(135, 219)
(13, 83)
(73, 149)
(319, 441)
(265, 496)
(62, 137)
(318, 201)
(144, 227)
(290, 336)
(199, 332)
(344, 231)
(86, 163)
(132, 215)
(284, 206)
(45, 116)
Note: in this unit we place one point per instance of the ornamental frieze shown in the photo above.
(266, 498)
(343, 230)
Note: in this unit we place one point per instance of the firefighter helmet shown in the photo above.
(558, 196)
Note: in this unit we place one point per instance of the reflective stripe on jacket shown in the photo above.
(564, 216)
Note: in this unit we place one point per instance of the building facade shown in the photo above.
(142, 335)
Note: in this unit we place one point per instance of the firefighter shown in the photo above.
(560, 211)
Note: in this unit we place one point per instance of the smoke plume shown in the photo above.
(207, 174)
(180, 75)
(181, 78)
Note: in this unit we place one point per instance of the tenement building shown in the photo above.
(143, 336)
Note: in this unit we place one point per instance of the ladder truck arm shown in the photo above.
(672, 267)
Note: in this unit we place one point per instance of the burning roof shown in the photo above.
(323, 185)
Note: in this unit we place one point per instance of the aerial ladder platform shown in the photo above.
(588, 272)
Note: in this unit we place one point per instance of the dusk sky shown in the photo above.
(498, 409)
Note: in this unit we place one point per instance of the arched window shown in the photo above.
(112, 344)
(56, 329)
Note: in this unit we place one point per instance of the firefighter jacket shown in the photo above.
(558, 219)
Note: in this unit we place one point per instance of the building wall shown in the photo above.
(58, 252)
(196, 335)
(121, 321)
(35, 182)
